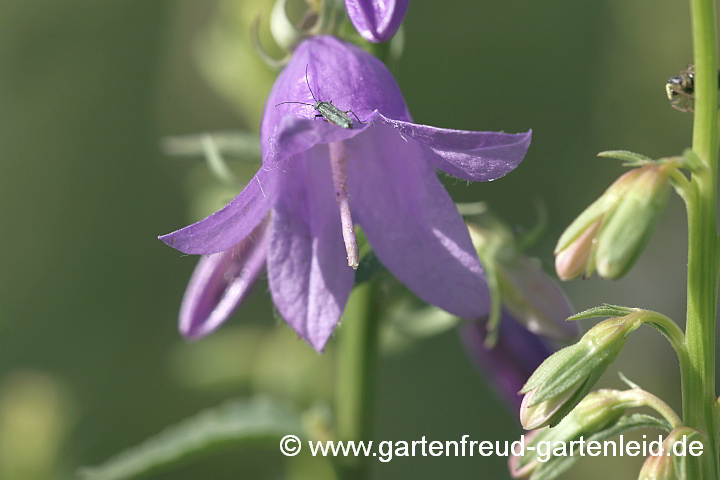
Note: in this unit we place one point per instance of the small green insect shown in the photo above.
(327, 110)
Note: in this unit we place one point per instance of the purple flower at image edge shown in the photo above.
(376, 20)
(318, 180)
(515, 356)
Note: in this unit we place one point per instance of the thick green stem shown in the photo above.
(355, 377)
(699, 377)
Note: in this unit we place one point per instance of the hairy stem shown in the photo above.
(699, 377)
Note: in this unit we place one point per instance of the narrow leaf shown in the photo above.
(606, 310)
(631, 158)
(234, 423)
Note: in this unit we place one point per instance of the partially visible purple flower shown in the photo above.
(511, 361)
(522, 288)
(221, 281)
(318, 180)
(377, 20)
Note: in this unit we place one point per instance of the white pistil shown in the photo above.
(339, 167)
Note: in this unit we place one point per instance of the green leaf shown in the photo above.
(631, 159)
(606, 310)
(555, 466)
(232, 424)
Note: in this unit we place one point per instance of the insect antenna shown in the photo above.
(299, 103)
(308, 83)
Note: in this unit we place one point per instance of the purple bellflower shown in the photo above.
(512, 360)
(376, 20)
(318, 180)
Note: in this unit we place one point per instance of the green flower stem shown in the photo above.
(672, 332)
(699, 377)
(640, 397)
(355, 377)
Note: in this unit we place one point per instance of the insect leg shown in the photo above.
(356, 117)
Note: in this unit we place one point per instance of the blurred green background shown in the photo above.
(89, 297)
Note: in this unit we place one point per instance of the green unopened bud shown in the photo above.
(670, 462)
(596, 412)
(612, 232)
(565, 377)
(627, 232)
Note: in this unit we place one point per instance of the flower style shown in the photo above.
(376, 20)
(318, 180)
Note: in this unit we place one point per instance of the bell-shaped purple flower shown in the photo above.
(319, 180)
(511, 361)
(377, 20)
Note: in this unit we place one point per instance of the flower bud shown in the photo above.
(598, 411)
(576, 258)
(665, 464)
(627, 232)
(562, 381)
(612, 232)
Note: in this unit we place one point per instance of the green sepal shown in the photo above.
(630, 158)
(605, 310)
(541, 374)
(234, 423)
(580, 365)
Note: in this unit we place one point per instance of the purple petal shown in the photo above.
(377, 20)
(221, 281)
(309, 278)
(538, 303)
(336, 71)
(229, 226)
(514, 358)
(294, 135)
(412, 224)
(475, 156)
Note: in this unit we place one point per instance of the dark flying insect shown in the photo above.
(327, 110)
(681, 89)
